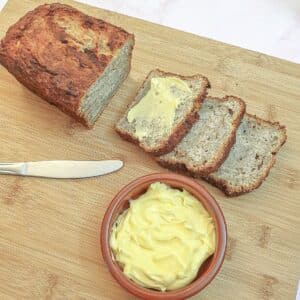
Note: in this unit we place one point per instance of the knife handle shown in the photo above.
(11, 168)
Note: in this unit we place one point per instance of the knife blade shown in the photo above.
(61, 168)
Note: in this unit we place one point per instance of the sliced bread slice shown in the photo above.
(251, 157)
(161, 141)
(210, 139)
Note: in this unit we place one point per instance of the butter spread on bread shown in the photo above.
(158, 140)
(158, 105)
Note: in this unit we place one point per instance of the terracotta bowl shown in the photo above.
(208, 270)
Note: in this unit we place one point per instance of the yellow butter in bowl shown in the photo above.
(163, 238)
(158, 105)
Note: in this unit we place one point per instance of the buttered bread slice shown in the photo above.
(163, 111)
(210, 139)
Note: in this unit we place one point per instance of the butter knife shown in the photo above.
(61, 168)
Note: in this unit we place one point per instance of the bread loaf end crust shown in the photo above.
(58, 52)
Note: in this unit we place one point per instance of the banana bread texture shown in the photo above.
(73, 61)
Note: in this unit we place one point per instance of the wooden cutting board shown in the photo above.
(49, 241)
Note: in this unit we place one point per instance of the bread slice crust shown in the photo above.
(184, 165)
(232, 191)
(180, 130)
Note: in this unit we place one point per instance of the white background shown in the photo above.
(268, 26)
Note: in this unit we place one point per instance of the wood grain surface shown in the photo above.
(49, 241)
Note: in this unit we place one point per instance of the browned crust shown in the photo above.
(23, 53)
(220, 157)
(181, 129)
(236, 191)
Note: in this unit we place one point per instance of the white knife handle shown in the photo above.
(12, 168)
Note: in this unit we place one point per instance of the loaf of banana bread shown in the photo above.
(73, 61)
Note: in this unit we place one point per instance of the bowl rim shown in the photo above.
(217, 259)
